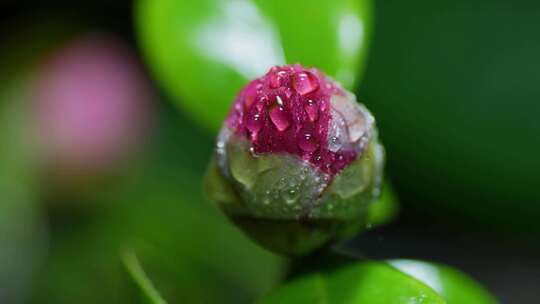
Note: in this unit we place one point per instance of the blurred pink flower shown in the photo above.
(93, 104)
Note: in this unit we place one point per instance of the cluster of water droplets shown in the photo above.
(286, 191)
(289, 110)
(292, 132)
(278, 108)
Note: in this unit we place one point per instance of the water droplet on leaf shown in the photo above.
(290, 195)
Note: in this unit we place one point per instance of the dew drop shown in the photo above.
(324, 106)
(335, 144)
(290, 195)
(307, 142)
(337, 132)
(277, 79)
(267, 198)
(312, 110)
(279, 101)
(254, 123)
(305, 82)
(339, 162)
(279, 116)
(288, 92)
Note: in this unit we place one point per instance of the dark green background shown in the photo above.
(454, 87)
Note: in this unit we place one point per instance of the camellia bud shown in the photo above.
(297, 161)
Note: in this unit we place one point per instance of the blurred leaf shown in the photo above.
(360, 282)
(453, 285)
(455, 92)
(22, 229)
(140, 279)
(192, 253)
(203, 52)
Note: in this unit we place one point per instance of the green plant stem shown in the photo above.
(136, 272)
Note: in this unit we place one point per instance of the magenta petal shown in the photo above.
(288, 110)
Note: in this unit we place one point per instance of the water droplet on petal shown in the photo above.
(337, 132)
(279, 116)
(277, 79)
(305, 82)
(307, 142)
(254, 123)
(340, 161)
(335, 144)
(279, 101)
(288, 92)
(312, 110)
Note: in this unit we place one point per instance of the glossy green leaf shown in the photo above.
(146, 289)
(361, 282)
(451, 284)
(204, 51)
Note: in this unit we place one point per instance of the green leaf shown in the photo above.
(143, 284)
(361, 282)
(204, 51)
(22, 226)
(453, 285)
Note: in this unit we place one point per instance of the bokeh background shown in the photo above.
(109, 109)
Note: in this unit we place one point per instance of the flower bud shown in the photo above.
(297, 161)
